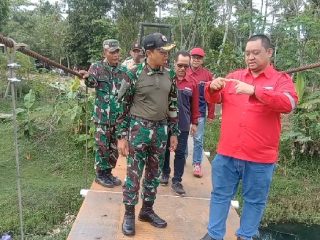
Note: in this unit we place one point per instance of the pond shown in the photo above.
(290, 232)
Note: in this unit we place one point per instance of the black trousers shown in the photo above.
(179, 159)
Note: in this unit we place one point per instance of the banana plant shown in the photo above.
(300, 85)
(28, 124)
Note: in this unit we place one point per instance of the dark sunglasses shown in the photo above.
(185, 66)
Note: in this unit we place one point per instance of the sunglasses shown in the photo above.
(185, 66)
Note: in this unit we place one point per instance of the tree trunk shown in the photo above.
(275, 53)
(265, 16)
(251, 17)
(182, 43)
(227, 20)
(68, 63)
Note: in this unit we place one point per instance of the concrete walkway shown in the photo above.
(102, 211)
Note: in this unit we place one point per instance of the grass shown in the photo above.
(212, 133)
(294, 195)
(52, 175)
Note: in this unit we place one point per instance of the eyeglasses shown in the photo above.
(185, 66)
(196, 57)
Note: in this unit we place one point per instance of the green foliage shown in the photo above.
(300, 85)
(102, 29)
(3, 73)
(41, 28)
(29, 100)
(128, 14)
(51, 179)
(76, 106)
(4, 11)
(294, 198)
(304, 133)
(212, 133)
(230, 60)
(87, 24)
(26, 65)
(50, 161)
(28, 124)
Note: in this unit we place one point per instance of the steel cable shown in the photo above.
(11, 44)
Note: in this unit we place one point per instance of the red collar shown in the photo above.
(185, 78)
(268, 71)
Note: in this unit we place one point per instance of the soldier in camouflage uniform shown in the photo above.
(106, 76)
(150, 108)
(136, 56)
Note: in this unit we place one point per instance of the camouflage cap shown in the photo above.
(157, 40)
(111, 45)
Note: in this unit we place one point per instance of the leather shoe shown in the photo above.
(207, 237)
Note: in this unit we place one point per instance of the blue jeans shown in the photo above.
(198, 141)
(256, 180)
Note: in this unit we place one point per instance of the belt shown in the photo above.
(150, 123)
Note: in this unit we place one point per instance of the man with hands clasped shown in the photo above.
(252, 102)
(188, 105)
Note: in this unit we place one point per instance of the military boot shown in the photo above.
(102, 178)
(128, 224)
(148, 215)
(115, 180)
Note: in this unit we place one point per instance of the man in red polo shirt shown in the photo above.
(252, 102)
(201, 75)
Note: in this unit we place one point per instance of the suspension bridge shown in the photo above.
(101, 213)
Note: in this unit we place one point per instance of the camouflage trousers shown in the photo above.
(147, 144)
(106, 154)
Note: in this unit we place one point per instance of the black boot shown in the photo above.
(128, 224)
(115, 180)
(148, 215)
(102, 178)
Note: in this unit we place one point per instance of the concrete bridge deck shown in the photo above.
(102, 211)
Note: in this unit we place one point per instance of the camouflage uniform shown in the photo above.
(129, 63)
(106, 80)
(147, 139)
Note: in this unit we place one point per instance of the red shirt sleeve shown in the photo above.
(283, 98)
(212, 96)
(211, 106)
(195, 114)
